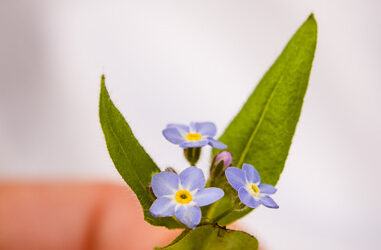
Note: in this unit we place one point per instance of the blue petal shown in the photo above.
(251, 173)
(216, 144)
(208, 196)
(192, 178)
(236, 177)
(267, 189)
(247, 199)
(164, 183)
(192, 127)
(183, 129)
(194, 144)
(189, 215)
(268, 202)
(205, 128)
(163, 207)
(173, 135)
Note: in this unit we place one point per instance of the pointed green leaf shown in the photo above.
(262, 131)
(132, 162)
(213, 237)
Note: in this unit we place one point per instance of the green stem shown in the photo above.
(192, 155)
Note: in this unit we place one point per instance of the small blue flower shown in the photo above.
(198, 134)
(248, 184)
(182, 195)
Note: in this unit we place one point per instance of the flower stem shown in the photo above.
(192, 155)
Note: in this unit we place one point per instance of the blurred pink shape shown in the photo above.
(75, 216)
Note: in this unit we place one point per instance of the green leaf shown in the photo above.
(262, 131)
(132, 162)
(213, 237)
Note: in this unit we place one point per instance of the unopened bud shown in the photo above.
(222, 160)
(170, 169)
(225, 157)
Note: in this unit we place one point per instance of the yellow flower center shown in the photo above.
(255, 188)
(183, 196)
(193, 137)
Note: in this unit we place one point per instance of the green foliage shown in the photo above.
(213, 237)
(262, 131)
(132, 162)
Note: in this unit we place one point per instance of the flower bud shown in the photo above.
(222, 161)
(224, 156)
(170, 169)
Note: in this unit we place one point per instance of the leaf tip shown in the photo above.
(312, 16)
(103, 80)
(103, 95)
(311, 19)
(103, 85)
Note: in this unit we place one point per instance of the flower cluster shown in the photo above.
(182, 195)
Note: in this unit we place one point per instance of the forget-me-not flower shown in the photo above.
(182, 195)
(198, 134)
(248, 184)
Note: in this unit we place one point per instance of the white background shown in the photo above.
(178, 61)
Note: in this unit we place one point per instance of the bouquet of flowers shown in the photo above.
(246, 161)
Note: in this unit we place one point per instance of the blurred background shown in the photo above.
(181, 61)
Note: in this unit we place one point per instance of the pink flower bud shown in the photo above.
(224, 156)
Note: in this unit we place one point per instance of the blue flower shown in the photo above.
(248, 184)
(198, 134)
(182, 195)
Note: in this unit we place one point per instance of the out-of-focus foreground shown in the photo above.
(75, 216)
